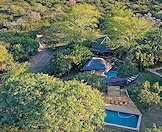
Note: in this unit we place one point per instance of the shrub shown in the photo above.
(58, 65)
(91, 79)
(150, 95)
(127, 69)
(64, 60)
(154, 129)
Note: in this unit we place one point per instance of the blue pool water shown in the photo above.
(120, 118)
(111, 74)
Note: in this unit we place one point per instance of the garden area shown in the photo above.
(48, 89)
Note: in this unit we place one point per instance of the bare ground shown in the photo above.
(40, 60)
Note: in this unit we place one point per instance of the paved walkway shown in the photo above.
(154, 71)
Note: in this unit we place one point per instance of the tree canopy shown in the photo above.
(43, 102)
(5, 57)
(78, 23)
(127, 69)
(154, 128)
(123, 28)
(63, 61)
(151, 95)
(93, 80)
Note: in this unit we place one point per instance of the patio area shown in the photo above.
(122, 103)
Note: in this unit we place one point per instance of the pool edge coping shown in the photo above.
(125, 127)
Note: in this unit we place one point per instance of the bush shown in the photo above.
(150, 95)
(59, 65)
(127, 69)
(154, 129)
(91, 79)
(63, 61)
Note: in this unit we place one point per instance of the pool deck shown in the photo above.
(129, 108)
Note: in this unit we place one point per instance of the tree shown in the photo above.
(91, 79)
(24, 49)
(79, 55)
(150, 95)
(30, 45)
(15, 69)
(127, 69)
(46, 103)
(19, 53)
(123, 28)
(59, 65)
(63, 61)
(149, 50)
(5, 58)
(154, 129)
(78, 23)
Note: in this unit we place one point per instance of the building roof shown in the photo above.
(100, 46)
(97, 64)
(116, 81)
(101, 50)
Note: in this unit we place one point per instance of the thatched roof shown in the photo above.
(100, 46)
(97, 64)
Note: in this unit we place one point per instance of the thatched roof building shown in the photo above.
(97, 64)
(100, 47)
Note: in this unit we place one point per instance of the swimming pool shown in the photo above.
(111, 74)
(121, 119)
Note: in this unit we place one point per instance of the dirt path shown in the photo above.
(41, 56)
(154, 71)
(40, 60)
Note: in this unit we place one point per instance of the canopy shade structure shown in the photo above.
(97, 64)
(100, 47)
(115, 81)
(101, 50)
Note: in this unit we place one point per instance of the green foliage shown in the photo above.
(21, 44)
(42, 102)
(127, 69)
(22, 51)
(149, 52)
(29, 45)
(78, 23)
(5, 58)
(150, 95)
(91, 79)
(13, 70)
(19, 53)
(154, 129)
(123, 28)
(64, 60)
(79, 55)
(60, 65)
